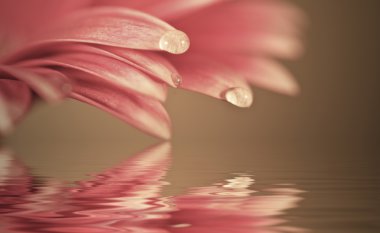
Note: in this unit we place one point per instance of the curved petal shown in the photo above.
(271, 75)
(264, 73)
(106, 69)
(142, 112)
(260, 44)
(49, 84)
(212, 78)
(163, 9)
(120, 27)
(269, 27)
(20, 19)
(146, 61)
(15, 99)
(149, 62)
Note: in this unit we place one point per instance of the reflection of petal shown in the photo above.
(5, 164)
(231, 208)
(242, 182)
(121, 195)
(20, 194)
(129, 191)
(277, 202)
(127, 199)
(15, 184)
(140, 174)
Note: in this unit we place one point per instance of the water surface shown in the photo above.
(188, 189)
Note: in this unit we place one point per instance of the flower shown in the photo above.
(128, 198)
(121, 55)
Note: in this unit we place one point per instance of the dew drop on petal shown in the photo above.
(177, 79)
(175, 42)
(240, 97)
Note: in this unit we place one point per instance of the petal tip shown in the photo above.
(294, 90)
(289, 87)
(165, 135)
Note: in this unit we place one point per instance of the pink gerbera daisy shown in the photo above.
(121, 55)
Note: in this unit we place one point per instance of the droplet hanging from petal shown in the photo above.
(240, 97)
(177, 79)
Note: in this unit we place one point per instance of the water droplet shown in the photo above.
(240, 97)
(175, 42)
(177, 79)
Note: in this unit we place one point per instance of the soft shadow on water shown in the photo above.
(129, 197)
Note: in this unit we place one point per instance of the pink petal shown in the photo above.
(273, 76)
(261, 44)
(120, 27)
(264, 73)
(106, 70)
(152, 63)
(214, 79)
(267, 27)
(15, 99)
(149, 62)
(49, 84)
(142, 112)
(163, 9)
(19, 19)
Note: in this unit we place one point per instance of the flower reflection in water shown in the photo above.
(128, 198)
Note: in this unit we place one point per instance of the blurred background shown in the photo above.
(325, 140)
